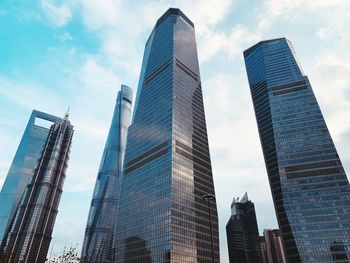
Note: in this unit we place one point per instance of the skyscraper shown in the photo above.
(97, 246)
(242, 232)
(23, 165)
(162, 216)
(272, 247)
(309, 186)
(28, 236)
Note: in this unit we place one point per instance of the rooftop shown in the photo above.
(175, 12)
(248, 51)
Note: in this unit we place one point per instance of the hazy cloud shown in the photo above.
(59, 15)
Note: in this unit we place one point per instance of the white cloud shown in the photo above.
(230, 43)
(59, 15)
(322, 32)
(97, 14)
(29, 96)
(332, 88)
(96, 77)
(205, 13)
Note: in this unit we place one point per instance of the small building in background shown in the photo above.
(272, 247)
(242, 232)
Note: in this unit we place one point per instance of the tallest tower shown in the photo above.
(162, 216)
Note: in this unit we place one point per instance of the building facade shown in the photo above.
(28, 236)
(309, 186)
(272, 247)
(162, 216)
(243, 240)
(98, 240)
(23, 165)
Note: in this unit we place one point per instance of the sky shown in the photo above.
(56, 54)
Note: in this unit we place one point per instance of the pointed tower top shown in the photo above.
(245, 198)
(66, 115)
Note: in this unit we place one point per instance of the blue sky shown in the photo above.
(55, 54)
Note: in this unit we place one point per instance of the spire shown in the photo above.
(66, 115)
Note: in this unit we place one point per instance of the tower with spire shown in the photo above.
(28, 235)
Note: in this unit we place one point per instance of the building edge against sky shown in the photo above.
(162, 216)
(98, 240)
(309, 186)
(29, 234)
(23, 165)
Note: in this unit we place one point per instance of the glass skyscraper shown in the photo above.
(28, 236)
(243, 240)
(97, 246)
(162, 216)
(310, 190)
(23, 164)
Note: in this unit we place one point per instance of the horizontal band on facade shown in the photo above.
(185, 69)
(191, 155)
(281, 92)
(127, 100)
(313, 165)
(156, 72)
(290, 87)
(147, 157)
(314, 172)
(144, 155)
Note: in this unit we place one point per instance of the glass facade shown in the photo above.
(23, 165)
(28, 236)
(309, 186)
(98, 240)
(162, 216)
(243, 240)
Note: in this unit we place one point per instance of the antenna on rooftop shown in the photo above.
(66, 115)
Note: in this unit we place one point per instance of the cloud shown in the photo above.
(102, 13)
(332, 88)
(97, 78)
(29, 96)
(322, 32)
(205, 14)
(231, 43)
(57, 15)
